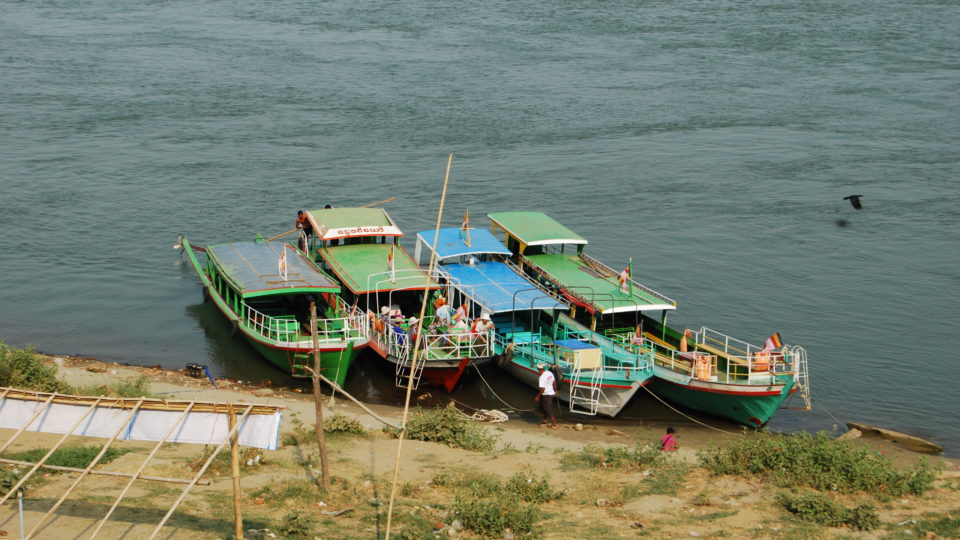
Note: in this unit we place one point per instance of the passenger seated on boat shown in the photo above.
(445, 313)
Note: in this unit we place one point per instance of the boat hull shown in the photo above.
(749, 404)
(334, 362)
(438, 373)
(613, 397)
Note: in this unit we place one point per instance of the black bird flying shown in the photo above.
(854, 201)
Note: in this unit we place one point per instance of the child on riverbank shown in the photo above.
(668, 443)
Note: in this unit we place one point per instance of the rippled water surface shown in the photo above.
(711, 141)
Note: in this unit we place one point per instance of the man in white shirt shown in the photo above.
(548, 389)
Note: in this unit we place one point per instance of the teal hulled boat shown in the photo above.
(596, 374)
(265, 290)
(709, 372)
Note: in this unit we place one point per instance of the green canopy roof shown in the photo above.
(333, 223)
(364, 268)
(591, 284)
(535, 228)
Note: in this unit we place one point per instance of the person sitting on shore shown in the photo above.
(669, 443)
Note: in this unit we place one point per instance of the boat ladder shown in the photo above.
(585, 391)
(403, 373)
(798, 355)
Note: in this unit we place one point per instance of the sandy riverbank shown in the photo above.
(596, 503)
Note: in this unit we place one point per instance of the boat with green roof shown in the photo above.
(265, 289)
(706, 370)
(360, 246)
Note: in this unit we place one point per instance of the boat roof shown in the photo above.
(498, 288)
(535, 228)
(595, 286)
(364, 268)
(451, 242)
(334, 223)
(575, 344)
(253, 268)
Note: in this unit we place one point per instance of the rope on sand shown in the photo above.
(687, 416)
(493, 416)
(509, 406)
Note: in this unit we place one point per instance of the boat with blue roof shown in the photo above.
(529, 326)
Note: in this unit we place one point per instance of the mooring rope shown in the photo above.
(688, 417)
(509, 406)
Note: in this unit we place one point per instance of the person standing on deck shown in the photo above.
(304, 225)
(548, 389)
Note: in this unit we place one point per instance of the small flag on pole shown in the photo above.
(465, 228)
(282, 264)
(623, 279)
(773, 342)
(393, 271)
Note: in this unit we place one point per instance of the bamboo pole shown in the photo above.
(416, 347)
(235, 469)
(40, 463)
(104, 473)
(30, 421)
(143, 466)
(379, 202)
(196, 478)
(317, 402)
(86, 471)
(272, 238)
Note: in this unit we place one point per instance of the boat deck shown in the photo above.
(253, 267)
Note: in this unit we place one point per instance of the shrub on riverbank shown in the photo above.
(641, 456)
(447, 425)
(25, 369)
(802, 459)
(820, 509)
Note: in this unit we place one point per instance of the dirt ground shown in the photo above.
(597, 503)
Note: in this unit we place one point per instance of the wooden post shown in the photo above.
(317, 398)
(235, 466)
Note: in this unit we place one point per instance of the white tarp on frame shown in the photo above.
(257, 430)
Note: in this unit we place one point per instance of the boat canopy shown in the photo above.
(452, 242)
(586, 282)
(335, 223)
(497, 287)
(534, 228)
(365, 268)
(253, 269)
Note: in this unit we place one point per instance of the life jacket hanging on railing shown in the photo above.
(761, 362)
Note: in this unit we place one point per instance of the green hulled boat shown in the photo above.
(265, 290)
(710, 372)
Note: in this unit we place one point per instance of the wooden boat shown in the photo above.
(357, 245)
(268, 301)
(596, 375)
(713, 372)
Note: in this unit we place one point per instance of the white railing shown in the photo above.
(287, 330)
(756, 367)
(399, 343)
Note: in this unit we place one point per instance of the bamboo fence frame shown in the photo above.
(86, 471)
(196, 478)
(134, 405)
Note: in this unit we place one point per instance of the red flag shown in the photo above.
(282, 263)
(773, 342)
(390, 264)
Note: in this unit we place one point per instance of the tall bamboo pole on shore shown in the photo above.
(416, 347)
(235, 470)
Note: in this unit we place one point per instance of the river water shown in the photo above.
(712, 142)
